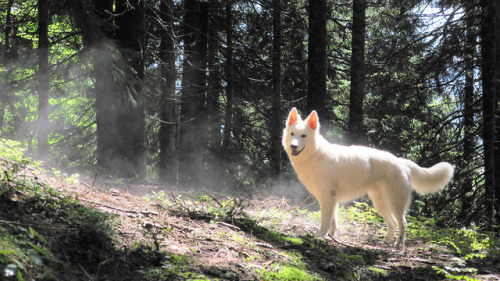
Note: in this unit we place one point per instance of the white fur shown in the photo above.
(335, 174)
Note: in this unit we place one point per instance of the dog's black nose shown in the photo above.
(293, 147)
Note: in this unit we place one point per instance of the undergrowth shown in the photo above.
(467, 245)
(49, 234)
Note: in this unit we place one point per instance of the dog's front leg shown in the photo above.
(328, 206)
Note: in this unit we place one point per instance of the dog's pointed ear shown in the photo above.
(312, 120)
(293, 116)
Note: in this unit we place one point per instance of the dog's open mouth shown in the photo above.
(295, 152)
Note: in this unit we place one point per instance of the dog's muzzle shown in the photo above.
(296, 152)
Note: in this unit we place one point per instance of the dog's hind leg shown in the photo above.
(333, 221)
(384, 209)
(400, 203)
(400, 208)
(402, 230)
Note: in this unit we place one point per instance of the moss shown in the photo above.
(286, 273)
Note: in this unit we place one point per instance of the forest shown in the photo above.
(194, 94)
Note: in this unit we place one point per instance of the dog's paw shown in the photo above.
(400, 246)
(389, 242)
(332, 238)
(321, 235)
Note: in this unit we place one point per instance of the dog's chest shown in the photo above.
(315, 177)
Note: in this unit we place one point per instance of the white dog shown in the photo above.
(336, 174)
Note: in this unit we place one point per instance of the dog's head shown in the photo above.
(299, 135)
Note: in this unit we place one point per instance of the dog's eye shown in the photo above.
(293, 134)
(303, 136)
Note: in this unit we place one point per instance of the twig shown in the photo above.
(95, 177)
(40, 226)
(118, 209)
(234, 227)
(303, 202)
(86, 184)
(215, 199)
(86, 273)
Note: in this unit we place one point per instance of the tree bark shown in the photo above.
(228, 119)
(43, 79)
(316, 62)
(8, 28)
(214, 85)
(168, 115)
(497, 108)
(106, 93)
(192, 136)
(468, 101)
(357, 95)
(488, 47)
(275, 132)
(131, 116)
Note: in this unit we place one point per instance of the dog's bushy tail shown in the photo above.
(429, 180)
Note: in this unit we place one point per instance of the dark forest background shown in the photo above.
(194, 94)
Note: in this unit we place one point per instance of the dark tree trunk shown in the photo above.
(357, 95)
(119, 111)
(8, 27)
(192, 137)
(215, 174)
(43, 79)
(275, 124)
(7, 55)
(468, 100)
(488, 47)
(497, 109)
(106, 93)
(214, 87)
(168, 116)
(294, 86)
(228, 119)
(316, 62)
(131, 116)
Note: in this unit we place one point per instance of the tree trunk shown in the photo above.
(295, 85)
(192, 135)
(316, 62)
(8, 27)
(489, 101)
(43, 79)
(228, 119)
(168, 115)
(468, 100)
(357, 95)
(275, 124)
(131, 116)
(106, 94)
(497, 109)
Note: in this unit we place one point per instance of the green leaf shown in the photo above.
(33, 234)
(41, 251)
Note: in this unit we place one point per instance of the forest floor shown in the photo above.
(59, 227)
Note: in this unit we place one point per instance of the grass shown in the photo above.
(56, 227)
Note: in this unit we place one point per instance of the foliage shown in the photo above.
(205, 205)
(21, 248)
(26, 199)
(466, 244)
(12, 151)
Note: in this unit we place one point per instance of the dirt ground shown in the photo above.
(189, 243)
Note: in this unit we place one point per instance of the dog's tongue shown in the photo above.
(297, 152)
